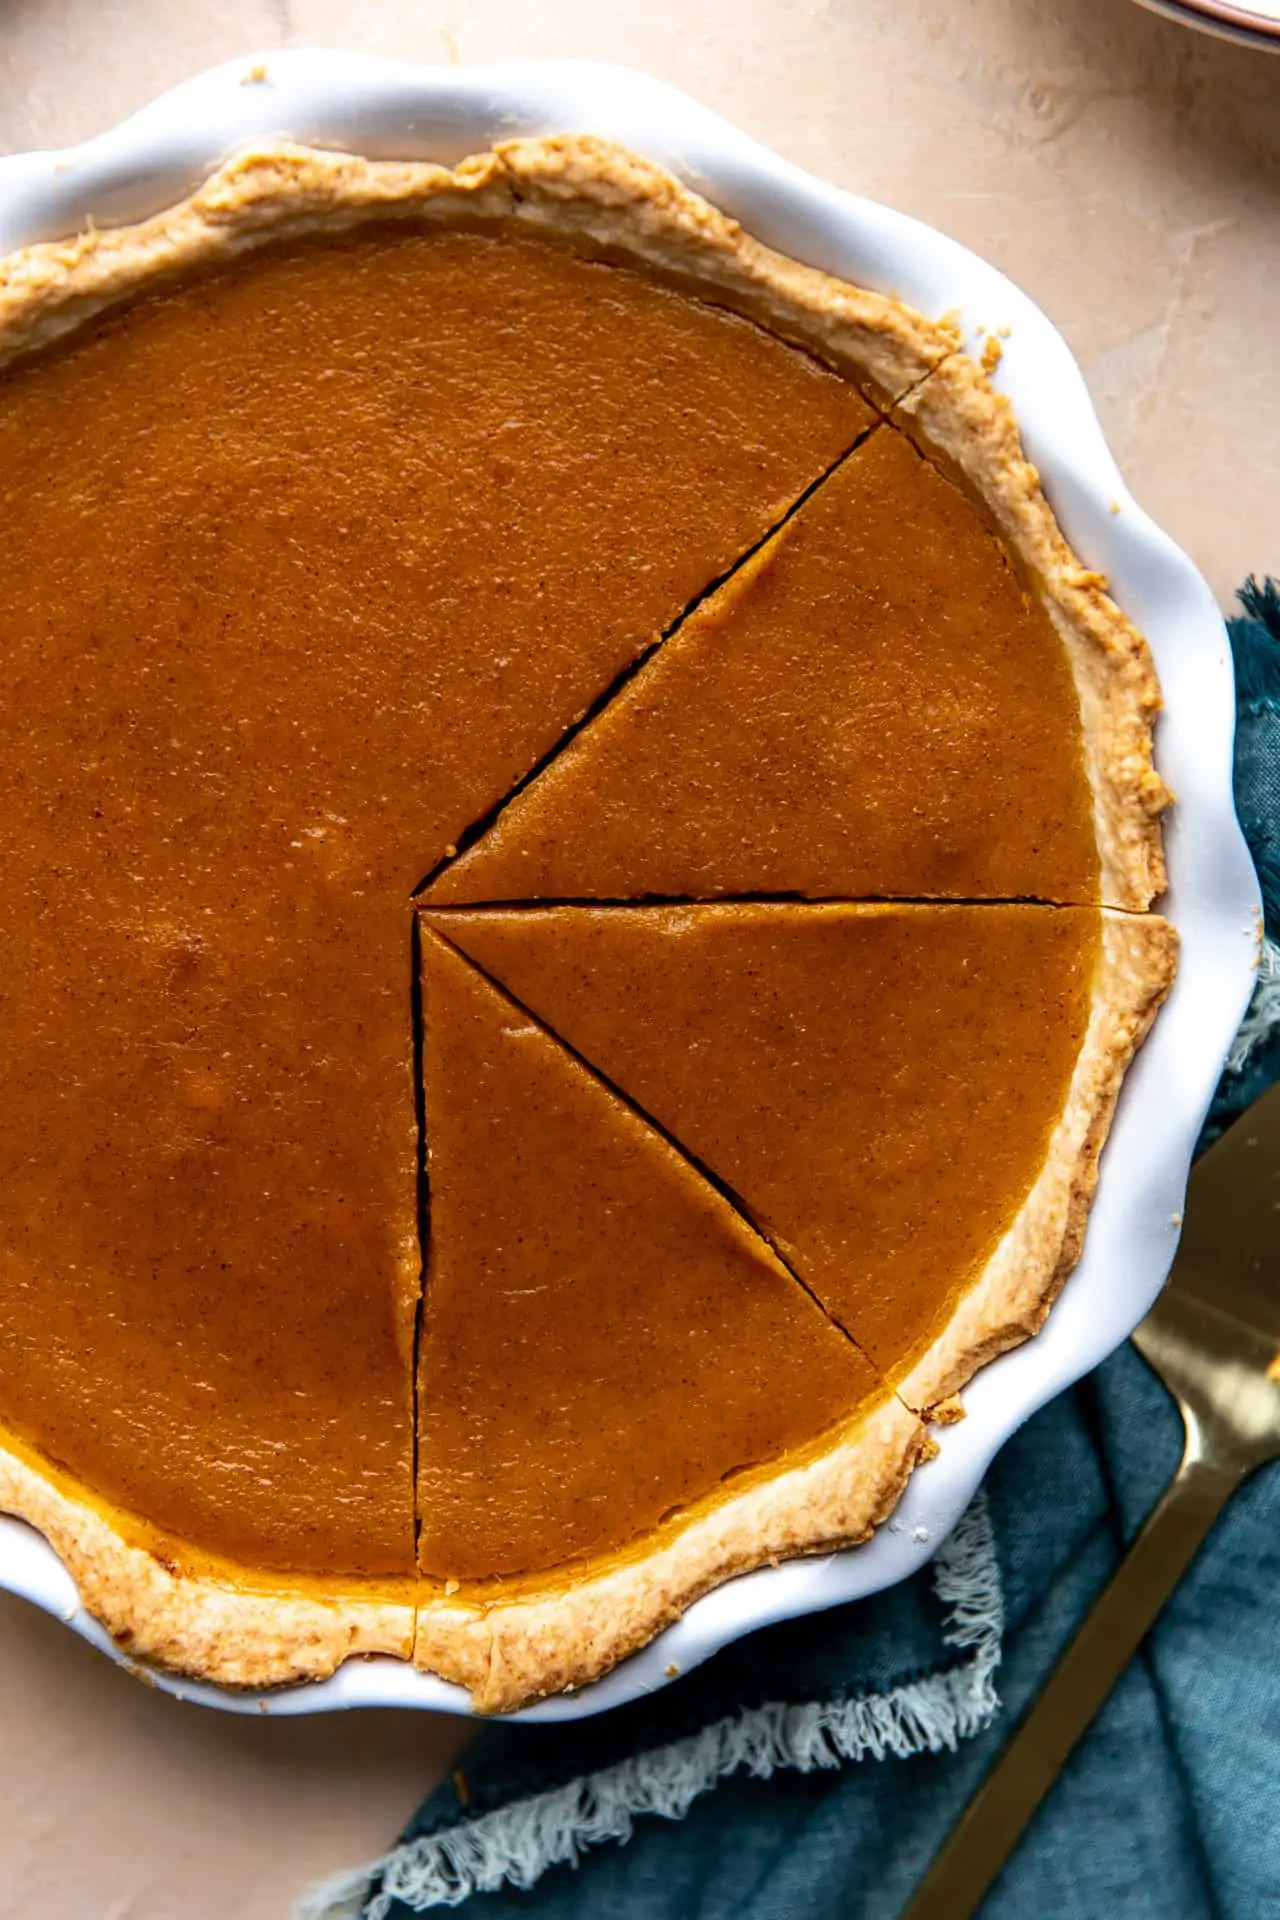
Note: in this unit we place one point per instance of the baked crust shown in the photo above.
(1137, 958)
(956, 416)
(516, 1646)
(518, 1641)
(199, 1626)
(608, 201)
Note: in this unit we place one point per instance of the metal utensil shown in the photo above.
(1213, 1337)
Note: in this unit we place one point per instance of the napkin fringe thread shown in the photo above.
(1263, 1018)
(516, 1844)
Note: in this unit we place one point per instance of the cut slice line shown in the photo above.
(566, 1226)
(423, 1191)
(825, 725)
(478, 828)
(658, 902)
(823, 1060)
(759, 1228)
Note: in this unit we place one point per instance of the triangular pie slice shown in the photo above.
(909, 1100)
(607, 1348)
(874, 705)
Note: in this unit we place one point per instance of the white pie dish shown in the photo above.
(395, 111)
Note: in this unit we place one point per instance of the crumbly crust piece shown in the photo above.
(608, 201)
(510, 1650)
(237, 1636)
(957, 416)
(1009, 1302)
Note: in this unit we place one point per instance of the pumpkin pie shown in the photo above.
(521, 532)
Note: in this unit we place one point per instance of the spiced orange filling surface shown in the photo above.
(306, 562)
(604, 1338)
(873, 705)
(876, 1084)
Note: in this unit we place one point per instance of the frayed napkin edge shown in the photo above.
(518, 1843)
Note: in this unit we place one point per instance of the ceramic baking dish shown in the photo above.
(394, 111)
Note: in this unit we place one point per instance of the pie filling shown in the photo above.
(905, 724)
(251, 608)
(878, 1083)
(752, 995)
(604, 1338)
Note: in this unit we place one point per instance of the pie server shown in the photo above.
(1213, 1337)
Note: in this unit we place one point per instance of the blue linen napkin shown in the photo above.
(1168, 1807)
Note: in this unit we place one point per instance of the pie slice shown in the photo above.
(604, 1340)
(875, 704)
(610, 1357)
(908, 1100)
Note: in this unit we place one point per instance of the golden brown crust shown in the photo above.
(956, 413)
(236, 1636)
(510, 1650)
(1136, 961)
(620, 202)
(602, 198)
(515, 1649)
(505, 1650)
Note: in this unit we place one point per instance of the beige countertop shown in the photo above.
(1127, 174)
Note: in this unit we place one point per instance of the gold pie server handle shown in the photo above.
(995, 1819)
